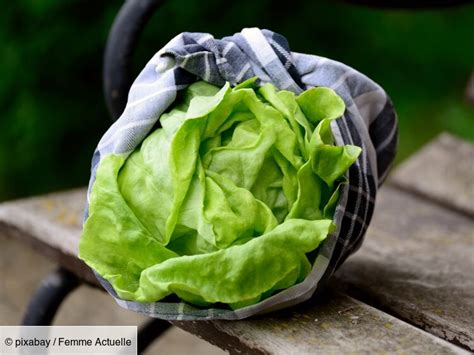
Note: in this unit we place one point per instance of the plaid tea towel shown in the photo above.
(368, 122)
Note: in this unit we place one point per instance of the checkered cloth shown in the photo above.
(368, 122)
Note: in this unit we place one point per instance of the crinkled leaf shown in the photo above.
(224, 202)
(321, 103)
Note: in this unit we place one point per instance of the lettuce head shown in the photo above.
(224, 202)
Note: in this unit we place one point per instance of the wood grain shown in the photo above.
(417, 261)
(443, 171)
(339, 325)
(52, 225)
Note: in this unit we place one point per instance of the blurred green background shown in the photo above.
(51, 104)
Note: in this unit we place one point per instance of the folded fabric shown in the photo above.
(199, 154)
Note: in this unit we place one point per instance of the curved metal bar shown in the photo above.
(150, 331)
(121, 43)
(49, 296)
(56, 287)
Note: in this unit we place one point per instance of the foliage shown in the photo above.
(51, 56)
(245, 178)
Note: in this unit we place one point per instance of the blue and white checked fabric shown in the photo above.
(369, 122)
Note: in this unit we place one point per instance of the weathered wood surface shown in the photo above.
(416, 264)
(341, 325)
(442, 171)
(417, 261)
(51, 224)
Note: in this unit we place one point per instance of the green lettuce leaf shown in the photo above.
(224, 202)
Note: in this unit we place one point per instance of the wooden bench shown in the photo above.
(409, 289)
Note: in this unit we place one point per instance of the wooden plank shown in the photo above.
(342, 324)
(417, 262)
(442, 171)
(51, 224)
(339, 325)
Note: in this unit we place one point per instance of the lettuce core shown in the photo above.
(223, 202)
